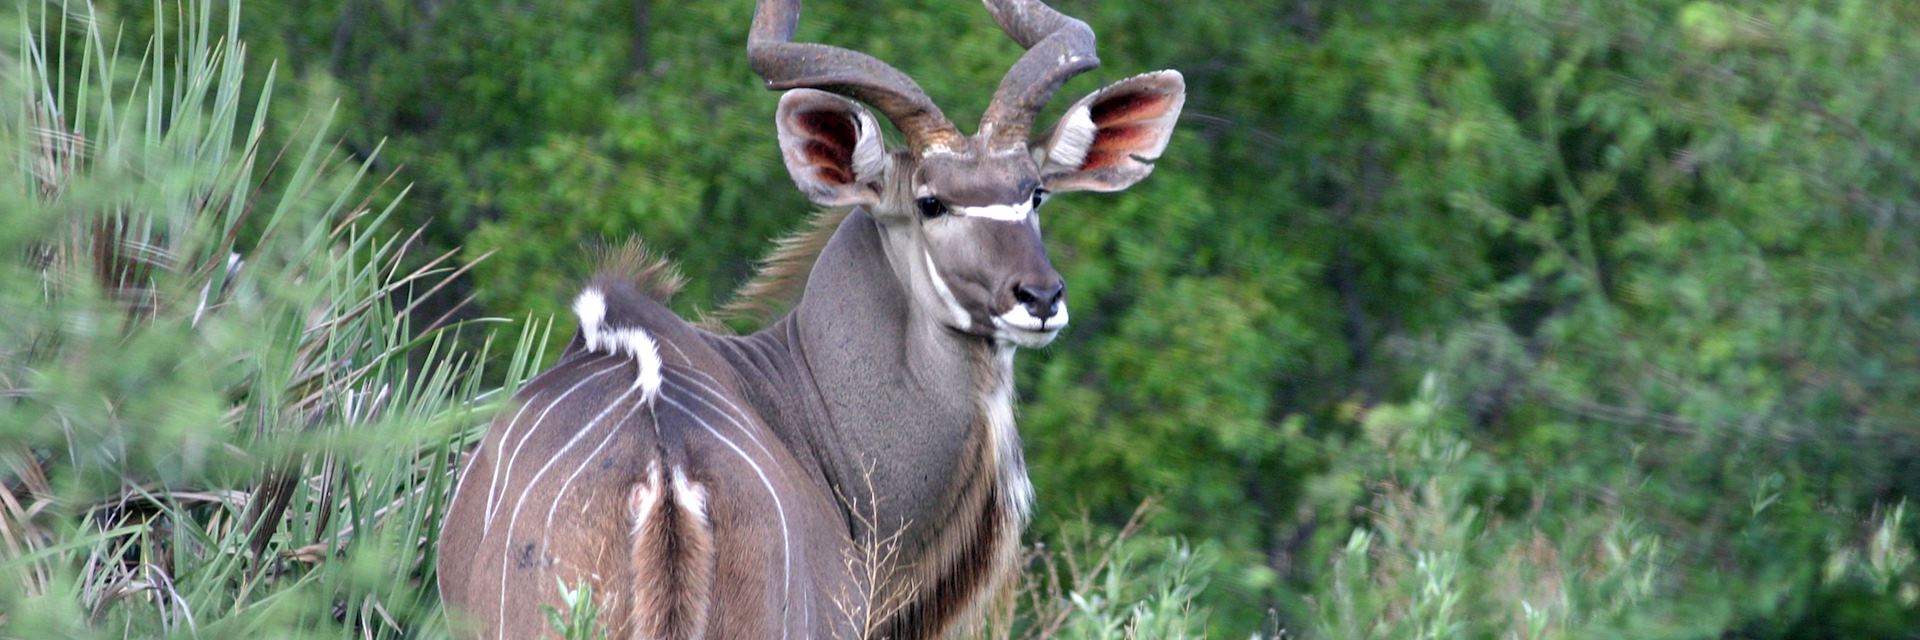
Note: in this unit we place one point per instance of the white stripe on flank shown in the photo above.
(492, 505)
(683, 355)
(723, 398)
(506, 547)
(560, 496)
(1016, 212)
(786, 545)
(495, 482)
(460, 485)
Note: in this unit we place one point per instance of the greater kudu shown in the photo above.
(712, 485)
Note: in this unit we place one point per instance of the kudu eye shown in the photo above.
(931, 207)
(1040, 197)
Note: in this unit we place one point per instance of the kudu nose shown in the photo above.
(1041, 301)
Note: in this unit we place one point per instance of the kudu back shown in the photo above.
(852, 470)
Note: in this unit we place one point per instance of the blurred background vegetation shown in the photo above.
(1440, 318)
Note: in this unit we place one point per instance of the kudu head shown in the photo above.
(961, 213)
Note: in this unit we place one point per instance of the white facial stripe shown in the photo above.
(1016, 212)
(960, 318)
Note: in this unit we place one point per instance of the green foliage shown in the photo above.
(1140, 602)
(1530, 318)
(581, 619)
(216, 420)
(1428, 562)
(1086, 583)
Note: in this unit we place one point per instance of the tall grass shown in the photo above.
(216, 419)
(213, 419)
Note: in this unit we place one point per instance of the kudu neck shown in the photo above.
(895, 393)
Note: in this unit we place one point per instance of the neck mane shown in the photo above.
(782, 274)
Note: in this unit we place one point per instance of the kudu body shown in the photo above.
(719, 486)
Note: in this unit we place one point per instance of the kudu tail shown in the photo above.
(672, 556)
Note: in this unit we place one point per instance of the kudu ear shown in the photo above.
(832, 147)
(1108, 140)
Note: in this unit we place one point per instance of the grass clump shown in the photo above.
(214, 419)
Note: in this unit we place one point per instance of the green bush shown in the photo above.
(1441, 318)
(216, 421)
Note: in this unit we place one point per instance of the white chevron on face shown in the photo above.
(1016, 212)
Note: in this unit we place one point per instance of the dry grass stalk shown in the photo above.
(874, 563)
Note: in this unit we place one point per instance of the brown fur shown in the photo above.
(772, 423)
(782, 273)
(673, 560)
(959, 573)
(631, 261)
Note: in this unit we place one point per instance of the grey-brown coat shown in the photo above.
(718, 486)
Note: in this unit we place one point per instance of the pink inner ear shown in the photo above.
(829, 147)
(831, 163)
(1115, 145)
(832, 175)
(1123, 137)
(1102, 159)
(829, 125)
(1128, 108)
